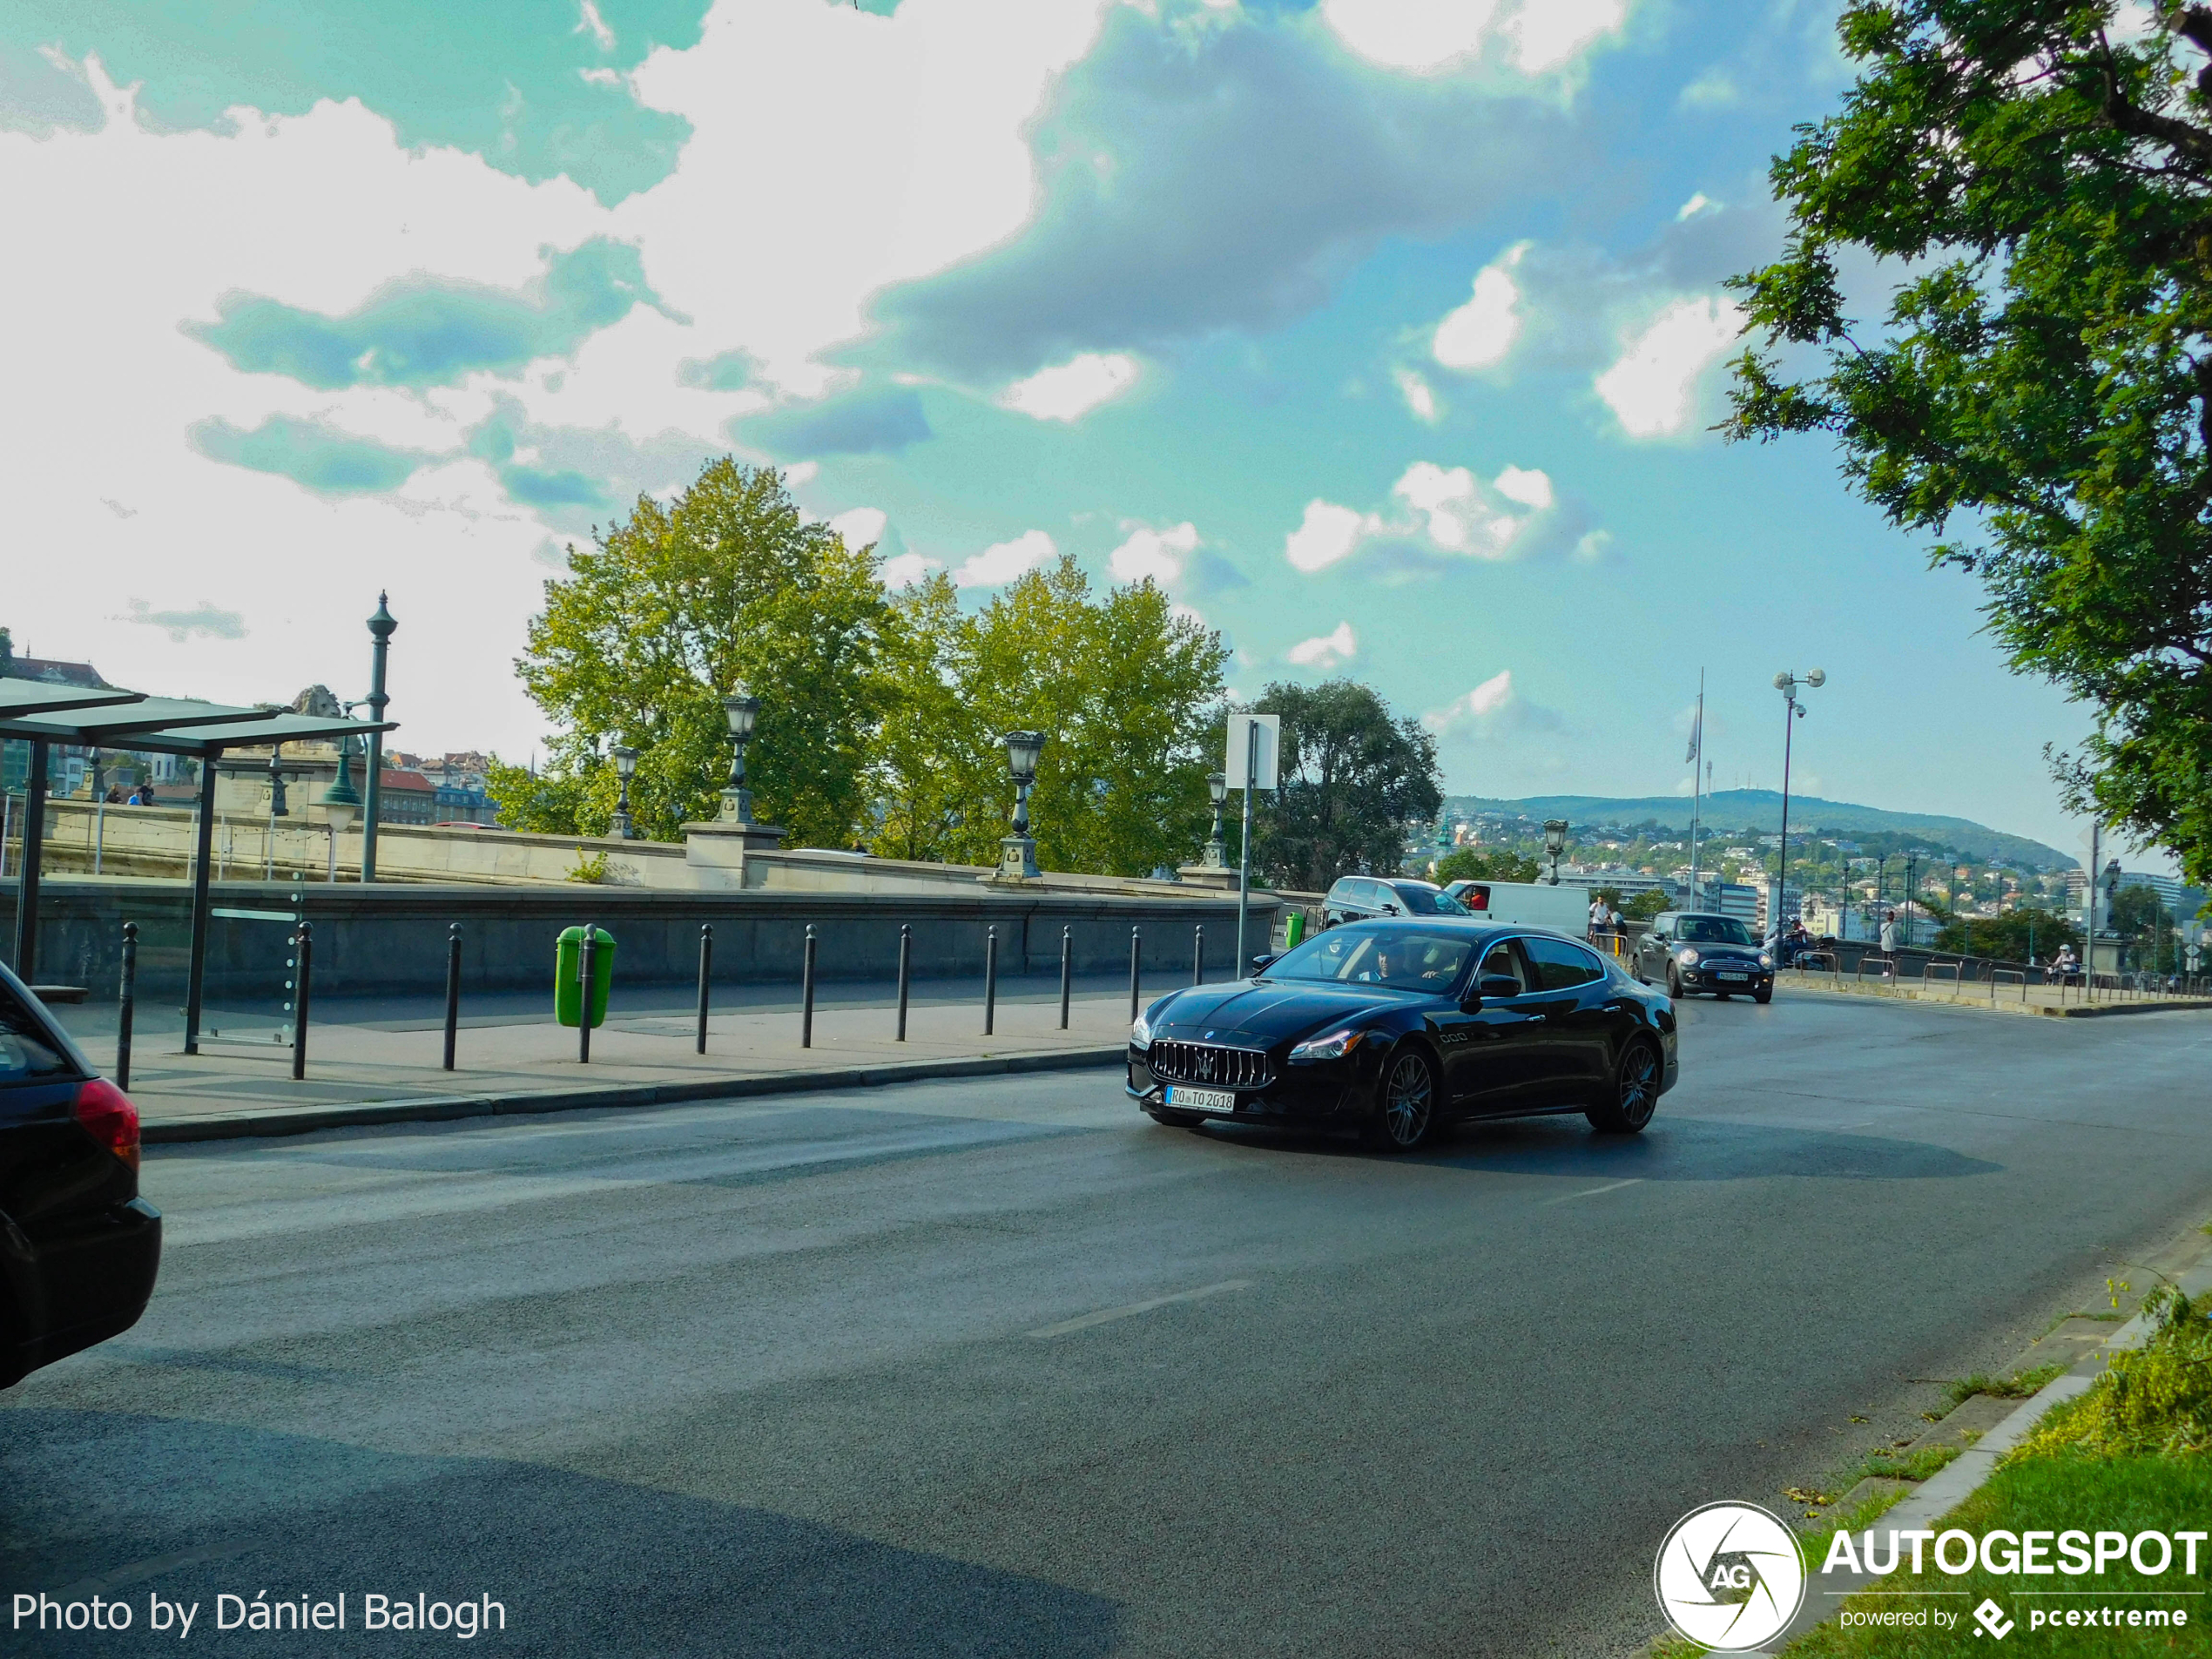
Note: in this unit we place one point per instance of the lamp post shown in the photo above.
(2112, 909)
(625, 768)
(1217, 846)
(1017, 851)
(379, 628)
(1792, 710)
(1555, 844)
(342, 801)
(742, 710)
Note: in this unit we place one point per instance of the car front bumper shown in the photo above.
(1326, 1093)
(1707, 979)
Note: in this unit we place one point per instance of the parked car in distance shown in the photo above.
(1526, 904)
(1364, 898)
(78, 1247)
(1397, 1027)
(1692, 951)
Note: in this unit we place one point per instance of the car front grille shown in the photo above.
(1206, 1063)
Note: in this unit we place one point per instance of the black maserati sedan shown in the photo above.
(1397, 1027)
(1689, 951)
(78, 1247)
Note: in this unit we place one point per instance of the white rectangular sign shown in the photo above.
(1254, 740)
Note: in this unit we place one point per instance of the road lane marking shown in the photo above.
(1069, 1327)
(1566, 1198)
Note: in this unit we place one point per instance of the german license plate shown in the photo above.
(1200, 1100)
(1738, 978)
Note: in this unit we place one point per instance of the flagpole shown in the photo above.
(1696, 797)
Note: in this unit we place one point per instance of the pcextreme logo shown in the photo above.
(1729, 1577)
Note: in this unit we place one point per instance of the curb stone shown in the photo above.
(434, 1108)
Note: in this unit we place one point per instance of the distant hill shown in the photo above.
(1760, 809)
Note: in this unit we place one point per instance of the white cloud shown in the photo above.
(1481, 332)
(1327, 533)
(1652, 387)
(861, 526)
(1713, 90)
(1549, 34)
(804, 472)
(601, 76)
(1419, 397)
(1526, 485)
(1425, 36)
(1700, 203)
(1459, 516)
(1074, 389)
(904, 569)
(590, 22)
(1003, 561)
(1156, 554)
(1331, 649)
(1493, 708)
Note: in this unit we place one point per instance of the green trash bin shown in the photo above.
(1295, 930)
(568, 965)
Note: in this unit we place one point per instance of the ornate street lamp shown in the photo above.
(625, 769)
(1793, 710)
(278, 807)
(1017, 851)
(742, 710)
(380, 628)
(342, 802)
(1216, 848)
(1555, 844)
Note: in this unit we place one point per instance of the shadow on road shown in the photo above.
(582, 1566)
(1676, 1150)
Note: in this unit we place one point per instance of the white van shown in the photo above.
(1527, 904)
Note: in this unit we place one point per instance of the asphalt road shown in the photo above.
(824, 1376)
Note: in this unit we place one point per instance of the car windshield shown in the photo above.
(1712, 930)
(1406, 957)
(1421, 900)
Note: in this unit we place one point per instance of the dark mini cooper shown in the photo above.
(78, 1247)
(1394, 1027)
(1688, 951)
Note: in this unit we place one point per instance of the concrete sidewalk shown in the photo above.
(374, 1073)
(2048, 1002)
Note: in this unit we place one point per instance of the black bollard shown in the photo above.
(806, 994)
(127, 1004)
(706, 967)
(307, 954)
(990, 977)
(588, 949)
(453, 989)
(906, 968)
(1132, 975)
(1198, 954)
(1067, 963)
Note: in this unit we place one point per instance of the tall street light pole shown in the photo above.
(1792, 711)
(379, 628)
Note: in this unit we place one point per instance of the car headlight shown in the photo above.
(1334, 1046)
(1765, 959)
(1140, 1033)
(1687, 957)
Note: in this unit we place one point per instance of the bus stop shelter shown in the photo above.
(44, 715)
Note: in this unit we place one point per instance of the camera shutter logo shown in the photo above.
(1992, 1618)
(1729, 1577)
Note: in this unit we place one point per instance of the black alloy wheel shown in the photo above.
(1763, 996)
(1635, 1092)
(1405, 1102)
(1674, 982)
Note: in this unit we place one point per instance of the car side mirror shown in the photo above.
(1497, 987)
(1260, 961)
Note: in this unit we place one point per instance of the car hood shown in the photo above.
(1261, 1013)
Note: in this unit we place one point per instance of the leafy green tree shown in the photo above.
(667, 613)
(1646, 905)
(1353, 781)
(2043, 375)
(2140, 916)
(1478, 863)
(2010, 937)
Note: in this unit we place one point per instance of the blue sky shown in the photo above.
(1384, 332)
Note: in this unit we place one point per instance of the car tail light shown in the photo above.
(108, 1115)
